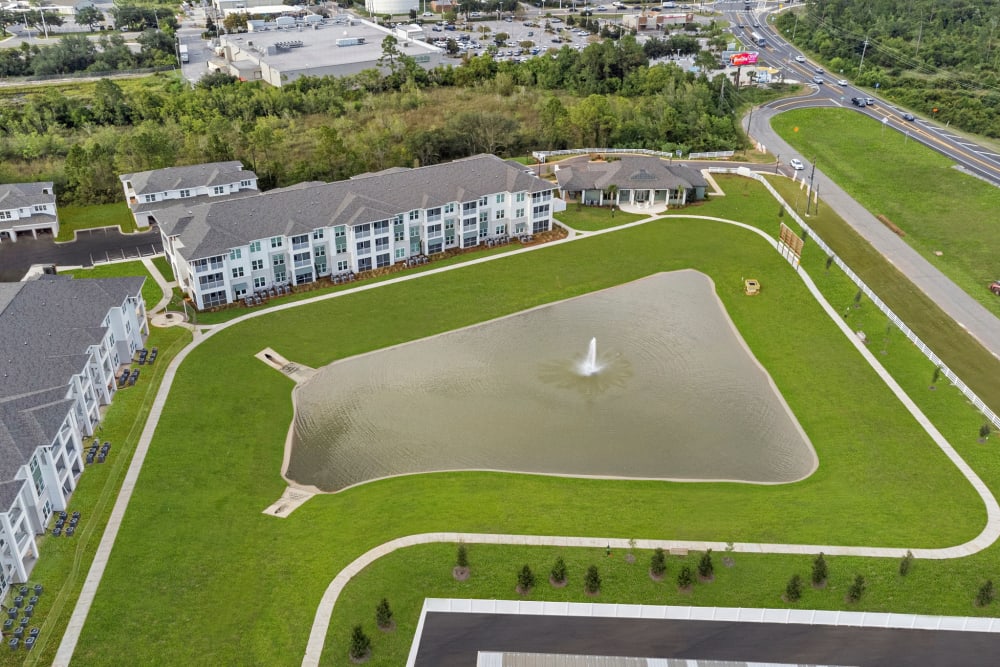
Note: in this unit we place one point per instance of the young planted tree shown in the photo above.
(525, 580)
(383, 616)
(706, 570)
(360, 645)
(557, 577)
(829, 262)
(685, 579)
(819, 572)
(905, 563)
(793, 591)
(984, 432)
(657, 564)
(592, 581)
(856, 589)
(936, 376)
(857, 298)
(461, 569)
(985, 595)
(630, 557)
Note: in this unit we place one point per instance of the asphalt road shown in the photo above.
(453, 639)
(92, 246)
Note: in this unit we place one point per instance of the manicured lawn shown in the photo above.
(72, 218)
(939, 208)
(593, 218)
(164, 266)
(151, 291)
(199, 571)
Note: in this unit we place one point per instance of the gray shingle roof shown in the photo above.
(8, 491)
(18, 195)
(212, 229)
(34, 220)
(628, 173)
(191, 176)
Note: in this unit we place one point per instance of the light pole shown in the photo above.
(812, 175)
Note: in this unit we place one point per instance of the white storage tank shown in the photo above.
(391, 6)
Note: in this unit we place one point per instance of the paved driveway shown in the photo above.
(93, 246)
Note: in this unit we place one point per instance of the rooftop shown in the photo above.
(630, 172)
(18, 195)
(191, 176)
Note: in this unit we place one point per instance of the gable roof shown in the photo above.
(191, 176)
(631, 173)
(212, 229)
(20, 195)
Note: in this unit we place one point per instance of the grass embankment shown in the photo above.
(196, 552)
(64, 561)
(151, 291)
(164, 267)
(939, 208)
(593, 218)
(73, 218)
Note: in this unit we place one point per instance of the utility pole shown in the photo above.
(812, 174)
(863, 51)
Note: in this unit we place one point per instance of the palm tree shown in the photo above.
(612, 194)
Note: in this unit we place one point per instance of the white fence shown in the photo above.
(542, 156)
(926, 351)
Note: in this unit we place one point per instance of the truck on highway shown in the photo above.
(182, 50)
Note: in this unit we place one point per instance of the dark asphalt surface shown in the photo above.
(92, 246)
(452, 640)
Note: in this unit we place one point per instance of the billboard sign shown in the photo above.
(744, 58)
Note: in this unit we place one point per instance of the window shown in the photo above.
(36, 475)
(255, 246)
(339, 232)
(246, 184)
(468, 207)
(433, 248)
(238, 272)
(519, 197)
(340, 239)
(219, 190)
(500, 198)
(321, 267)
(342, 265)
(40, 208)
(302, 259)
(519, 213)
(414, 232)
(317, 234)
(540, 211)
(483, 201)
(46, 511)
(414, 216)
(449, 208)
(500, 230)
(484, 216)
(433, 230)
(279, 260)
(6, 215)
(381, 244)
(398, 234)
(279, 276)
(365, 264)
(213, 299)
(276, 242)
(320, 251)
(383, 260)
(235, 253)
(257, 265)
(540, 226)
(435, 213)
(501, 214)
(362, 231)
(364, 247)
(382, 227)
(400, 253)
(149, 198)
(300, 241)
(185, 194)
(469, 223)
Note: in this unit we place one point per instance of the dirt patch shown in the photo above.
(460, 573)
(557, 584)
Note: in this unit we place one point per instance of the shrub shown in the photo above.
(705, 567)
(856, 590)
(462, 557)
(819, 571)
(360, 643)
(558, 573)
(525, 579)
(793, 591)
(658, 563)
(985, 595)
(904, 564)
(383, 614)
(592, 582)
(684, 578)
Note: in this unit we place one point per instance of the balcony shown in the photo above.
(212, 284)
(302, 263)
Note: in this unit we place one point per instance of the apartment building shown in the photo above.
(27, 209)
(221, 252)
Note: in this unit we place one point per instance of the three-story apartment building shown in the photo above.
(221, 252)
(27, 209)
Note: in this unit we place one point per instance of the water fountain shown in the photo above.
(590, 366)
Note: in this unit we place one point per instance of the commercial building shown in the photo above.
(222, 252)
(631, 180)
(287, 49)
(147, 191)
(27, 209)
(61, 343)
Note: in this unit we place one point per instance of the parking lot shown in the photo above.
(478, 35)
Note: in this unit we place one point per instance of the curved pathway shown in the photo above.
(75, 626)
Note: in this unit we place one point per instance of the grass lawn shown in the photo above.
(164, 266)
(593, 218)
(198, 570)
(151, 291)
(72, 218)
(912, 186)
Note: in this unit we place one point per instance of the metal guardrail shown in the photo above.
(867, 291)
(542, 156)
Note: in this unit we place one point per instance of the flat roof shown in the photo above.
(319, 45)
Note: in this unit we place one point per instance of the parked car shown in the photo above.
(796, 164)
(908, 116)
(800, 59)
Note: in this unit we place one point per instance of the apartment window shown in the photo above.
(484, 216)
(149, 198)
(185, 193)
(259, 282)
(383, 260)
(320, 267)
(342, 265)
(276, 242)
(435, 213)
(257, 265)
(398, 234)
(40, 208)
(238, 272)
(468, 207)
(235, 253)
(317, 234)
(500, 198)
(414, 216)
(213, 299)
(500, 230)
(469, 223)
(279, 260)
(279, 276)
(449, 208)
(320, 251)
(36, 475)
(365, 264)
(339, 232)
(246, 184)
(414, 232)
(540, 226)
(400, 253)
(519, 197)
(381, 244)
(382, 227)
(501, 214)
(519, 213)
(240, 292)
(255, 246)
(483, 201)
(219, 190)
(364, 247)
(362, 231)
(433, 230)
(540, 210)
(301, 239)
(6, 215)
(301, 259)
(46, 511)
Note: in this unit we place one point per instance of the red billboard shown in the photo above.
(741, 59)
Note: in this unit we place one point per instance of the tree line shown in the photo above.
(941, 58)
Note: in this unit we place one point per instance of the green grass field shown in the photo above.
(912, 186)
(164, 267)
(151, 291)
(72, 218)
(593, 218)
(196, 552)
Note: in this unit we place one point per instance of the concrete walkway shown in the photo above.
(166, 287)
(103, 553)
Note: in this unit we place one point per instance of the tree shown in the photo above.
(985, 595)
(685, 578)
(705, 568)
(235, 22)
(829, 262)
(383, 615)
(706, 60)
(462, 556)
(904, 564)
(856, 589)
(558, 574)
(360, 644)
(984, 432)
(89, 16)
(819, 572)
(592, 581)
(657, 564)
(936, 376)
(525, 580)
(793, 591)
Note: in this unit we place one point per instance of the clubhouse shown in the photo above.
(223, 251)
(61, 343)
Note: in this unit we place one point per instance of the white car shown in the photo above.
(800, 59)
(842, 82)
(427, 14)
(796, 164)
(601, 8)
